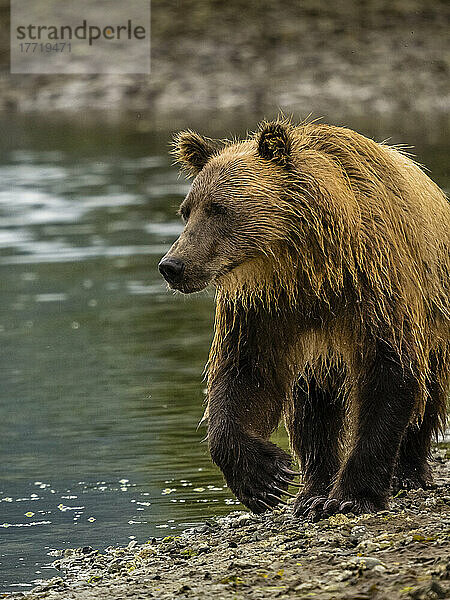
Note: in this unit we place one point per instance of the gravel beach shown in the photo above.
(400, 553)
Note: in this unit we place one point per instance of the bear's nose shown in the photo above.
(171, 269)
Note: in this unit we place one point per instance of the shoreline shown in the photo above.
(403, 552)
(376, 58)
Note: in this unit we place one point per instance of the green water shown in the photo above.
(101, 367)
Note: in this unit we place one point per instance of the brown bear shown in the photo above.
(330, 255)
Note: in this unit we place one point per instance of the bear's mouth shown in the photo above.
(192, 282)
(190, 287)
(196, 280)
(186, 288)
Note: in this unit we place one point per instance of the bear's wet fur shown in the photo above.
(330, 255)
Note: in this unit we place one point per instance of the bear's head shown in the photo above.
(236, 210)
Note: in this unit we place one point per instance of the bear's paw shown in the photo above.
(261, 476)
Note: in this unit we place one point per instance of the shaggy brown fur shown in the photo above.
(330, 254)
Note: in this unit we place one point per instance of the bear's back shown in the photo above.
(403, 216)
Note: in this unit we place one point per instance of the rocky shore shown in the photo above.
(332, 59)
(401, 553)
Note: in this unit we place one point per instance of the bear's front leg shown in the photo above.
(257, 471)
(386, 398)
(247, 382)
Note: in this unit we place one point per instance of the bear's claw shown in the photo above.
(320, 507)
(289, 482)
(277, 499)
(291, 472)
(258, 501)
(268, 501)
(284, 492)
(304, 500)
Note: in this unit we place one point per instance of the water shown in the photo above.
(101, 387)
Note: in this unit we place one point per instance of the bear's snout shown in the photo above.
(171, 269)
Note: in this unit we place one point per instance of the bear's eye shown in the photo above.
(185, 213)
(216, 209)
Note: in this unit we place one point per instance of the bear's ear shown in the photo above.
(192, 150)
(274, 143)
